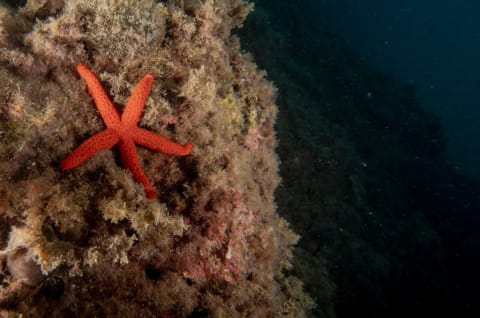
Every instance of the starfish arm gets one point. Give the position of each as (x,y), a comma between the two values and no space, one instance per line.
(136,102)
(102,101)
(103,140)
(130,160)
(157,142)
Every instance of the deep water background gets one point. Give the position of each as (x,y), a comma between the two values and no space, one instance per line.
(377,152)
(434,45)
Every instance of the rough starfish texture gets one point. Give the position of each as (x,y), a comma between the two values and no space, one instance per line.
(122,130)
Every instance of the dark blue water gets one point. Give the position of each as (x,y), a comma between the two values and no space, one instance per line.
(435,45)
(378,124)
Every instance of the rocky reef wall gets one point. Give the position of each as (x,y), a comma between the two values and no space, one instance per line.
(87,242)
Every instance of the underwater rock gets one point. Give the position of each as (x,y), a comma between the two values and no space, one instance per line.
(23,268)
(211,243)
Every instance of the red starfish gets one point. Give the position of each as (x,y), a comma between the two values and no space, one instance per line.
(122,130)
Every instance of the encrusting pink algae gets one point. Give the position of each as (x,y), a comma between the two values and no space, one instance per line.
(88,242)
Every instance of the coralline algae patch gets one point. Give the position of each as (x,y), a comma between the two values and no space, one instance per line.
(87,241)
